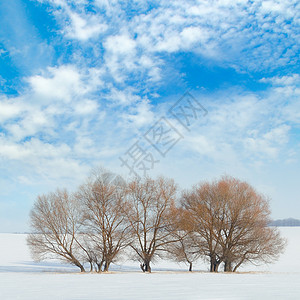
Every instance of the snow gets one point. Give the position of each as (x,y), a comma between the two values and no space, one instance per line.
(21,278)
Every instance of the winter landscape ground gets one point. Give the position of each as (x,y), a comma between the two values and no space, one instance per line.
(21,278)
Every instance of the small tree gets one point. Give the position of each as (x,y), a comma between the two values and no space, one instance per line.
(148,211)
(55,222)
(184,248)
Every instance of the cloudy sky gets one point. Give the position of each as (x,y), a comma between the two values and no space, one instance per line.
(85,83)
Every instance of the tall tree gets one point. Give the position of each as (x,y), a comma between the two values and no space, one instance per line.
(246,236)
(148,209)
(107,229)
(231,220)
(205,221)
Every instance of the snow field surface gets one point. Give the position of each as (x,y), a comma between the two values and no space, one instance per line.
(22,278)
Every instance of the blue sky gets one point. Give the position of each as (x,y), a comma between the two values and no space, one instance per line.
(82,81)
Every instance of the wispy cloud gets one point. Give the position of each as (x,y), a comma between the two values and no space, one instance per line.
(110,69)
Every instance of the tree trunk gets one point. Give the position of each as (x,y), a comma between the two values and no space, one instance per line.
(106,266)
(82,270)
(214,264)
(145,266)
(214,267)
(228,266)
(211,267)
(191,267)
(76,262)
(79,265)
(99,265)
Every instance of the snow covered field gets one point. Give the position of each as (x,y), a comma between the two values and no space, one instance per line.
(21,278)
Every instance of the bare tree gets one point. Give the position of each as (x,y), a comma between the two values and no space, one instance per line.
(205,221)
(106,227)
(56,223)
(246,236)
(266,248)
(225,221)
(148,210)
(231,220)
(184,248)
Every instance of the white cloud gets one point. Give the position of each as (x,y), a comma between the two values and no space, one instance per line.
(283,80)
(9,109)
(241,34)
(78,24)
(202,144)
(243,129)
(61,124)
(61,84)
(84,28)
(237,32)
(31,150)
(268,144)
(33,123)
(120,44)
(120,56)
(278,134)
(141,114)
(86,107)
(192,35)
(127,96)
(73,116)
(286,91)
(132,47)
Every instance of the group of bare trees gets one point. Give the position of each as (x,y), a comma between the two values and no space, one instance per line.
(225,221)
